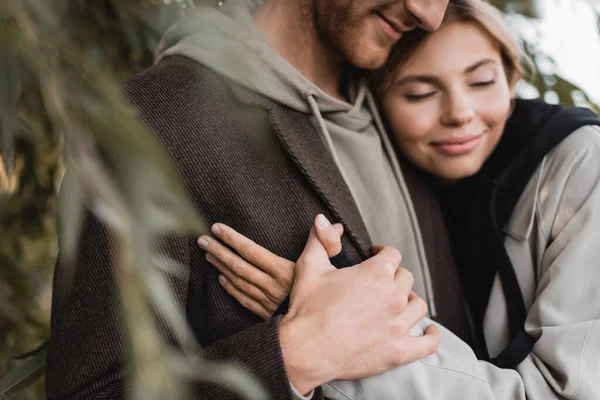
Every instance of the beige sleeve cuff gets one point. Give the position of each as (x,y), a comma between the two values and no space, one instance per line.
(298,396)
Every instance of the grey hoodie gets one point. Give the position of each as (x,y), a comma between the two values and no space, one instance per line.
(227,41)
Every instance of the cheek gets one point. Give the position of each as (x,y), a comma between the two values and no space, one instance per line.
(411,123)
(494,105)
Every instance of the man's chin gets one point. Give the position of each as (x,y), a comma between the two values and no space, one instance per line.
(370,59)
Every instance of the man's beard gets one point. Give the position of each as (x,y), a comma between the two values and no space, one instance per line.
(338,25)
(335,24)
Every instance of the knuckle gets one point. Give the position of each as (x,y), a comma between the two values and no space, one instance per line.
(275,291)
(401,301)
(281,279)
(237,267)
(287,280)
(225,234)
(427,349)
(395,253)
(384,270)
(421,306)
(390,267)
(247,303)
(407,275)
(249,251)
(272,292)
(281,293)
(282,276)
(241,284)
(432,347)
(398,303)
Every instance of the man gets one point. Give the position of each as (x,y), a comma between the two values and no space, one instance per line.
(269,124)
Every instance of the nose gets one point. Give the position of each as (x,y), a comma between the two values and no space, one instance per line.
(429,13)
(459,109)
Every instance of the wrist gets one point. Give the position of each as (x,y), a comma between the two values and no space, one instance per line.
(304,363)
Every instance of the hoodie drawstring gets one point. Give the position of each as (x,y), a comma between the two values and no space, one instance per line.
(389,148)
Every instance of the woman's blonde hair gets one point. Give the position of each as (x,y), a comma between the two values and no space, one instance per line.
(479,12)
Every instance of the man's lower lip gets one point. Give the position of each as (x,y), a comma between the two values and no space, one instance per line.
(455,149)
(389,29)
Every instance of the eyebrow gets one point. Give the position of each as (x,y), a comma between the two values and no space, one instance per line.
(434,80)
(481,63)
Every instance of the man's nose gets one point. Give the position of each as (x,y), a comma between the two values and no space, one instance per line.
(429,13)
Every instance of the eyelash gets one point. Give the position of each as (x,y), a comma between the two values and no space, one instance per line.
(483,84)
(417,97)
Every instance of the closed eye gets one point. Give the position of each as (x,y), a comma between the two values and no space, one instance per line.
(417,97)
(483,84)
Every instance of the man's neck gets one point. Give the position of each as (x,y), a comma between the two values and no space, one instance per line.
(288,27)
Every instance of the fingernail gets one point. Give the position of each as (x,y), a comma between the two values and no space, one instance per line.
(222,280)
(202,242)
(216,229)
(210,258)
(322,222)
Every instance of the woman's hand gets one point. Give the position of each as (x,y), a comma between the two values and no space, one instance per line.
(258,279)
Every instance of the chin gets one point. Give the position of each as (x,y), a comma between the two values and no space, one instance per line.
(455,174)
(368,56)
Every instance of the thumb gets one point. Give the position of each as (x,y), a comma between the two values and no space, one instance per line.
(329,235)
(313,261)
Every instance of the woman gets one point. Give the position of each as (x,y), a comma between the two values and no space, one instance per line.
(519,183)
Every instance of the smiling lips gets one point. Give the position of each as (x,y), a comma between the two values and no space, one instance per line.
(392,28)
(457,146)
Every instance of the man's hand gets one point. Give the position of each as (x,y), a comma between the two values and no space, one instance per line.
(351,323)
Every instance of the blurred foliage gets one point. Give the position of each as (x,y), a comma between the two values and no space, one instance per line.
(62,61)
(542,75)
(62,64)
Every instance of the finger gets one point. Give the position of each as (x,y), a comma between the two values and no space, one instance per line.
(404,280)
(328,235)
(385,257)
(248,249)
(418,347)
(413,313)
(245,300)
(236,264)
(314,260)
(339,228)
(242,285)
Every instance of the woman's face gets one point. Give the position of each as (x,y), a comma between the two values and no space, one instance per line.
(449,103)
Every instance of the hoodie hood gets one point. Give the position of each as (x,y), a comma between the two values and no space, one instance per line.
(227,41)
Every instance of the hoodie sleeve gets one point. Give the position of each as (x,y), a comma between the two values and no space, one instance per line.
(89,344)
(564,315)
